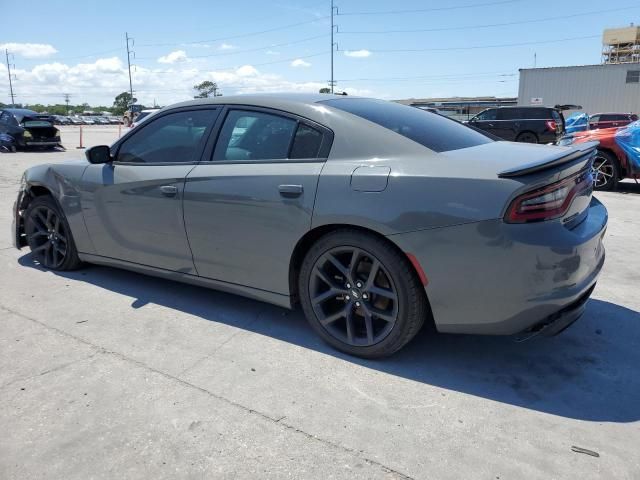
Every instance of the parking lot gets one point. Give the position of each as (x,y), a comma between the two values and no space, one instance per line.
(110,374)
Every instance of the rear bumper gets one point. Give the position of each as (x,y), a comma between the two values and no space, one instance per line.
(503,279)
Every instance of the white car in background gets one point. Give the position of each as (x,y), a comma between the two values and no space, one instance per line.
(142,115)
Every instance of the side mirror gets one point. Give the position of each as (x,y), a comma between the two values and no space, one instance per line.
(99,154)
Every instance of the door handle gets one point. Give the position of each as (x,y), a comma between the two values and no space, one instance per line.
(290,191)
(169,190)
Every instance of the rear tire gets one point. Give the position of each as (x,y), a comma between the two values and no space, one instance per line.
(360,294)
(49,236)
(527,137)
(606,171)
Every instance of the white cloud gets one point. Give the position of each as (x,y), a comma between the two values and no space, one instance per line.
(272,52)
(298,62)
(247,71)
(174,57)
(226,46)
(357,53)
(29,50)
(99,82)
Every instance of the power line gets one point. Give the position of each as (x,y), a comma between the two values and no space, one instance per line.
(479,47)
(436,9)
(436,77)
(241,35)
(236,52)
(491,25)
(283,60)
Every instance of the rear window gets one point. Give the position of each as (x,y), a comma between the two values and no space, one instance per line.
(431,130)
(524,114)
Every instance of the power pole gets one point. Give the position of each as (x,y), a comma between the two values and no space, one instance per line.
(332,82)
(129,52)
(66,99)
(13,100)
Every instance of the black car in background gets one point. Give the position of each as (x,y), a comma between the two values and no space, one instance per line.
(29,128)
(524,124)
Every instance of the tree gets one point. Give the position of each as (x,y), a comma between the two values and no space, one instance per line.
(325,90)
(122,102)
(207,89)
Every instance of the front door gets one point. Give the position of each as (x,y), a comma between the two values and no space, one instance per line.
(246,208)
(133,205)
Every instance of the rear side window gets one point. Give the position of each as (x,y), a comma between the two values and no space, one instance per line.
(524,114)
(306,143)
(430,130)
(249,135)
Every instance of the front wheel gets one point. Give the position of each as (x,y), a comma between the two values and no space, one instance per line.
(605,171)
(49,236)
(360,294)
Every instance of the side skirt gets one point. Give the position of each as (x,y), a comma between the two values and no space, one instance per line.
(253,293)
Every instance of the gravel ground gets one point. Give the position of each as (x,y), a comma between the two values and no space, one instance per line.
(110,374)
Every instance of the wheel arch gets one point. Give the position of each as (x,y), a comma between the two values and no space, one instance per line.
(309,238)
(31,191)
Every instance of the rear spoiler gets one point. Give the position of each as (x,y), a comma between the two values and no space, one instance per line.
(581,150)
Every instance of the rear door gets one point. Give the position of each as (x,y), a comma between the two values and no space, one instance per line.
(247,204)
(508,123)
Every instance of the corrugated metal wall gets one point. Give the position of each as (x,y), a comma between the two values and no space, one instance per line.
(598,88)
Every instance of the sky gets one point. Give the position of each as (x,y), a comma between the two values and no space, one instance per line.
(392,50)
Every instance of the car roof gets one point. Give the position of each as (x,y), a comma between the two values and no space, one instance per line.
(303,104)
(21,111)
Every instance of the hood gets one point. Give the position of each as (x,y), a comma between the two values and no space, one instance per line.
(595,134)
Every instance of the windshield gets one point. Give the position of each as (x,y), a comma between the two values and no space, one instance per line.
(430,130)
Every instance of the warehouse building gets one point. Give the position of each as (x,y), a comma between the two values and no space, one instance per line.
(613,86)
(597,88)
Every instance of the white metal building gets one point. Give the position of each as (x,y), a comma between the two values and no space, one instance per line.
(598,88)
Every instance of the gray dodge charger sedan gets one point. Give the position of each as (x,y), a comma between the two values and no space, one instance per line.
(374,216)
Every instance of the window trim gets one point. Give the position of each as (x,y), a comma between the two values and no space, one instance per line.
(325,145)
(115,148)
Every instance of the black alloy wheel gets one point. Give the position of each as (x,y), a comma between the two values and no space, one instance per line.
(48,235)
(353,296)
(361,294)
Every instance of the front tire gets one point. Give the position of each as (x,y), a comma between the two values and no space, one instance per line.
(606,171)
(360,294)
(49,236)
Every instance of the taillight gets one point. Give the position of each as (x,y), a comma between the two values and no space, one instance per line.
(549,202)
(551,125)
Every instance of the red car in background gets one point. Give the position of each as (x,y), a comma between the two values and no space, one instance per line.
(611,120)
(611,163)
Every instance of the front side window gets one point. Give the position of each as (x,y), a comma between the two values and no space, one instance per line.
(248,135)
(490,114)
(172,138)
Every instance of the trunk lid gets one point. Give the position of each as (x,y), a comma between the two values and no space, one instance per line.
(516,169)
